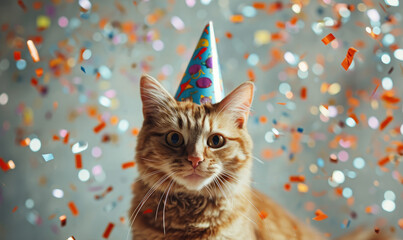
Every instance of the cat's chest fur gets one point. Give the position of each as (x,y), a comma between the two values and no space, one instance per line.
(189,217)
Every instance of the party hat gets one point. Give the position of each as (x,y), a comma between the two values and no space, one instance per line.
(202,82)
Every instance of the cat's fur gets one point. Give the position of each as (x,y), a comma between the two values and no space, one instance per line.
(218,205)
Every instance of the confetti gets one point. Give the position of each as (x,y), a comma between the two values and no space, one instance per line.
(17,55)
(79,162)
(127,165)
(33,51)
(319,215)
(71,238)
(47,157)
(147,211)
(236,18)
(328,39)
(73,208)
(15,209)
(385,122)
(83,69)
(108,230)
(63,220)
(349,58)
(3,165)
(299,178)
(99,127)
(263,214)
(22,5)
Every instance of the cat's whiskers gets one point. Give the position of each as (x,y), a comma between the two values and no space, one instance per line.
(222,191)
(165,203)
(146,197)
(242,195)
(158,206)
(226,187)
(257,159)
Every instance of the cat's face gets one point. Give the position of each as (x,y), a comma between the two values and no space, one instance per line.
(194,146)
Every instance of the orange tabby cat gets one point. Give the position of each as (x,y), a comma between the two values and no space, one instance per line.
(195,172)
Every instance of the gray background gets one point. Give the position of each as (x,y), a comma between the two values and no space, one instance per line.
(35,179)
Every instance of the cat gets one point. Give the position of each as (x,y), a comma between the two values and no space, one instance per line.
(194,164)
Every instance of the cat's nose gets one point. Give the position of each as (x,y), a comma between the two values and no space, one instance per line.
(195,160)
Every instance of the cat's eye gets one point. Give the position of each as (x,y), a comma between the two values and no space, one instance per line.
(215,141)
(174,139)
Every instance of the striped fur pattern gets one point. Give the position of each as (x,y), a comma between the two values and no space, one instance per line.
(218,205)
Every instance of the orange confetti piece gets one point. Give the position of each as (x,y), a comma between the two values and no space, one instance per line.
(228,35)
(353,116)
(15,209)
(390,99)
(99,127)
(79,162)
(287,187)
(39,72)
(385,122)
(127,165)
(73,208)
(108,230)
(251,75)
(349,58)
(328,39)
(383,161)
(263,214)
(293,20)
(373,93)
(319,215)
(303,93)
(66,138)
(33,51)
(148,211)
(280,25)
(259,5)
(37,5)
(281,103)
(236,18)
(400,223)
(4,165)
(135,131)
(263,119)
(299,178)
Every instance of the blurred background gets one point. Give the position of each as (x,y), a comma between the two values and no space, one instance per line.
(325,137)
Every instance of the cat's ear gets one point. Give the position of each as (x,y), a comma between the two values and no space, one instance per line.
(238,103)
(153,95)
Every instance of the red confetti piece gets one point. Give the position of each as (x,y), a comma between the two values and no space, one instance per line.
(79,162)
(34,82)
(108,230)
(328,39)
(17,55)
(319,215)
(73,208)
(99,127)
(108,190)
(127,165)
(373,92)
(299,178)
(287,187)
(33,51)
(353,116)
(236,18)
(22,5)
(15,209)
(4,165)
(148,211)
(390,99)
(263,214)
(294,20)
(303,93)
(349,58)
(385,122)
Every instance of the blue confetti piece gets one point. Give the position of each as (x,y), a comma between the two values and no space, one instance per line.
(47,157)
(348,223)
(300,130)
(83,69)
(320,162)
(274,121)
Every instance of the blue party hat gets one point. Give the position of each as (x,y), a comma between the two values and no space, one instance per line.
(202,82)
